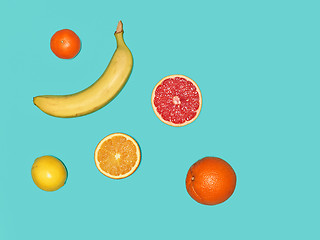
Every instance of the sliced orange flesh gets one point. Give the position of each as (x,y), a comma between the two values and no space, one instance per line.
(117,156)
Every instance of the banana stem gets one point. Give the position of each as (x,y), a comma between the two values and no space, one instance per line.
(119,27)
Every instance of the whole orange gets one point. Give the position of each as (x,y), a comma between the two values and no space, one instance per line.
(65,44)
(211,181)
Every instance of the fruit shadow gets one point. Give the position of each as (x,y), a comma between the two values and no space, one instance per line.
(140,155)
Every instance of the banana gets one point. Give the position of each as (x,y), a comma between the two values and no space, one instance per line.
(100,93)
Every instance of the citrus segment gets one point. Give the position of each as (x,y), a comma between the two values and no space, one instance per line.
(176,100)
(117,155)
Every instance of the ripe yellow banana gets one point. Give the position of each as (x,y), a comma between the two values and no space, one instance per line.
(99,93)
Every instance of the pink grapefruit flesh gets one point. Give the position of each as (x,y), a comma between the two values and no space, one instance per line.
(176,100)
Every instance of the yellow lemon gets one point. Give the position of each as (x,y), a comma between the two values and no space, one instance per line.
(48,173)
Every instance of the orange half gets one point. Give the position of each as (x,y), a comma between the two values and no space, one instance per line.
(117,155)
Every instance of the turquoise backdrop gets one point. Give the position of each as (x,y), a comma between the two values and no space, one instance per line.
(257,65)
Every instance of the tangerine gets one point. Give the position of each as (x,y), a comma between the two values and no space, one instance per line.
(210,181)
(65,44)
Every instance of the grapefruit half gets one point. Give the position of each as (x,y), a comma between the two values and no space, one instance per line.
(176,100)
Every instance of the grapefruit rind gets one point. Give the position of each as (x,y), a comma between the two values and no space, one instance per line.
(134,168)
(155,108)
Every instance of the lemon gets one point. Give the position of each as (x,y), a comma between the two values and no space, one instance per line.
(48,173)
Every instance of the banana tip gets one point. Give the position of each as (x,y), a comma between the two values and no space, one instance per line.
(119,27)
(35,101)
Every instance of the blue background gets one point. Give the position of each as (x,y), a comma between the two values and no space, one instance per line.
(257,65)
